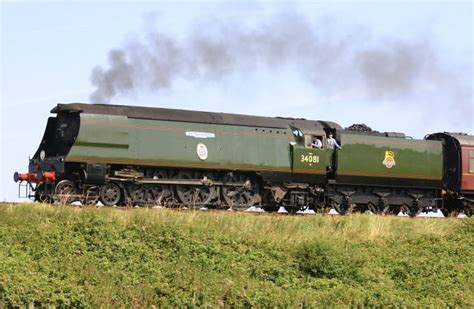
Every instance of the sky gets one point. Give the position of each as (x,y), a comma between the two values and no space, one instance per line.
(398,66)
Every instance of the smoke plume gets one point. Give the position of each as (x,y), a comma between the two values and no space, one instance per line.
(354,63)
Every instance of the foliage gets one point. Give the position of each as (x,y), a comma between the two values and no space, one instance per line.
(83,257)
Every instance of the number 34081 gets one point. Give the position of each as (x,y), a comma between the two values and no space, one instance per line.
(309,159)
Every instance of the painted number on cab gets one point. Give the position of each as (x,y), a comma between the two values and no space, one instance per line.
(309,158)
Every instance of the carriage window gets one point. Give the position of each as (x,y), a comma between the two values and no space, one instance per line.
(471,161)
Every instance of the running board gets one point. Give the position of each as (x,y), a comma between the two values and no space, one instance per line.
(189,182)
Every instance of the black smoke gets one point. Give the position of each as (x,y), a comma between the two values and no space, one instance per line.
(351,62)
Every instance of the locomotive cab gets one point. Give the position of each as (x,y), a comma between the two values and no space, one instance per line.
(310,154)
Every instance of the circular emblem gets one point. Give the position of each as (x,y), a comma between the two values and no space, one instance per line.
(201,150)
(389,159)
(389,162)
(42,155)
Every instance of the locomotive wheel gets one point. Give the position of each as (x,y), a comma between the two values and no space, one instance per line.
(239,198)
(194,195)
(161,193)
(143,196)
(372,208)
(409,210)
(166,196)
(110,194)
(65,192)
(338,208)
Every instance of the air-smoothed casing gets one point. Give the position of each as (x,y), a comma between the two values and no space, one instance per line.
(140,136)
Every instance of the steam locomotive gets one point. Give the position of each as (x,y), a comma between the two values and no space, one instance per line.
(142,156)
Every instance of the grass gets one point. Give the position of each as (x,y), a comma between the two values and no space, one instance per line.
(66,256)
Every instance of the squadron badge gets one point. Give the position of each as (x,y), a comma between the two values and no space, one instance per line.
(389,160)
(201,150)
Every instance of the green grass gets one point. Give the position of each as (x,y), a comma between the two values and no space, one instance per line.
(65,256)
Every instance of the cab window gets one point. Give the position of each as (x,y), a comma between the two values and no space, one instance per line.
(313,141)
(298,135)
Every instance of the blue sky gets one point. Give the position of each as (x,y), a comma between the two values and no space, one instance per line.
(48,51)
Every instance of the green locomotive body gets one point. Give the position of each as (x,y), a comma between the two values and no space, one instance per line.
(124,155)
(382,171)
(389,161)
(161,143)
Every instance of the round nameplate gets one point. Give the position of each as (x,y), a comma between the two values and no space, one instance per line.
(201,150)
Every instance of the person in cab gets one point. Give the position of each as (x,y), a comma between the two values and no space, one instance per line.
(316,143)
(332,143)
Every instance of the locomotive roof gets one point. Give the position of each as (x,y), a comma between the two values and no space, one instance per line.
(194,116)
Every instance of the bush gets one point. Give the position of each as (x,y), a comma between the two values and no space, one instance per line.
(66,256)
(322,260)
